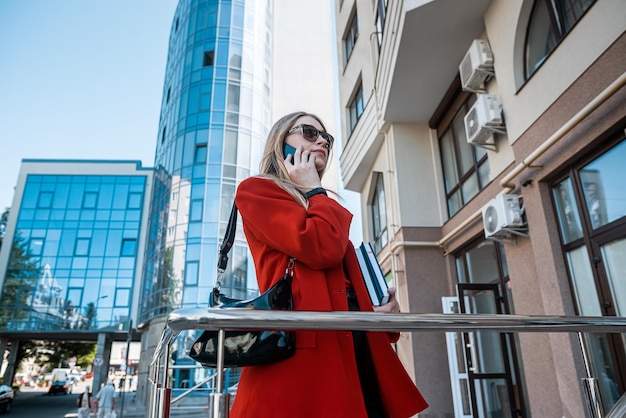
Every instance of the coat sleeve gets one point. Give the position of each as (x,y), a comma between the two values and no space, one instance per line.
(316,237)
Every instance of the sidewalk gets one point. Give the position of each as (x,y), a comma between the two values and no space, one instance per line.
(132,408)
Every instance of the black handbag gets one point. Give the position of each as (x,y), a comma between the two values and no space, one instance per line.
(247,348)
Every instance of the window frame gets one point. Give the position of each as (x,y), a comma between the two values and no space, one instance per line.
(462,103)
(378,212)
(591,241)
(350,37)
(124,249)
(380,19)
(353,113)
(558,28)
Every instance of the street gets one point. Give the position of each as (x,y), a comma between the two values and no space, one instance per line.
(36,403)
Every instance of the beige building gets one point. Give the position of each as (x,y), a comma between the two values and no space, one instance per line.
(486,139)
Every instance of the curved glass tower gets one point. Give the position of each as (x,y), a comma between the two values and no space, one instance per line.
(213,124)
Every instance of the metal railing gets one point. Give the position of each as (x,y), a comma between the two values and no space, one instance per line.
(232,319)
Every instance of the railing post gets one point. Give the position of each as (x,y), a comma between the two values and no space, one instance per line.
(219,402)
(154,376)
(164,398)
(591,389)
(593,402)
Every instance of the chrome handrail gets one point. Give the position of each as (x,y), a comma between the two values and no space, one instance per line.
(220,320)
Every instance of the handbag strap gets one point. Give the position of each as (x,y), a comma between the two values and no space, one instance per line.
(227,245)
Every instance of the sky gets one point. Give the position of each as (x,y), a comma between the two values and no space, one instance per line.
(80,80)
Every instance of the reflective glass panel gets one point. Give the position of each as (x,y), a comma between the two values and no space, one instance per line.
(605,195)
(566,211)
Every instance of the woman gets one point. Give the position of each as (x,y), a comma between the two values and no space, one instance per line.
(84,403)
(286,213)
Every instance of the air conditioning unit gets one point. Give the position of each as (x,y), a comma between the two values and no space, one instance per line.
(502,213)
(477,66)
(483,119)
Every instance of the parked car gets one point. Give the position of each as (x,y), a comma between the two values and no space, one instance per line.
(6,398)
(60,386)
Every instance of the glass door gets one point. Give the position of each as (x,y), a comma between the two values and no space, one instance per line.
(493,387)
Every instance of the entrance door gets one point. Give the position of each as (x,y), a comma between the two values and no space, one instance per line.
(492,381)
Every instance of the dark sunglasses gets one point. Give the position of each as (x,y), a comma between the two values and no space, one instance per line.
(311,133)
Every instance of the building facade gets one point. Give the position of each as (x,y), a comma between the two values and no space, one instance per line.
(484,138)
(72,253)
(215,115)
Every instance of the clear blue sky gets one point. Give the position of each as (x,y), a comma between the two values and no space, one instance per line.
(80,79)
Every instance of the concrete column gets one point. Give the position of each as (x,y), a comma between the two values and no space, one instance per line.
(10,370)
(3,346)
(103,354)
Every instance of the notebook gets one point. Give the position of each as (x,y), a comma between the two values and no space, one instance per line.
(372,274)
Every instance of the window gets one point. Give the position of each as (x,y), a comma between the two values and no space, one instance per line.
(381,14)
(163,134)
(549,22)
(378,213)
(82,246)
(45,200)
(129,247)
(89,200)
(208,59)
(195,212)
(200,155)
(134,200)
(122,297)
(465,167)
(590,206)
(191,273)
(355,108)
(349,40)
(36,246)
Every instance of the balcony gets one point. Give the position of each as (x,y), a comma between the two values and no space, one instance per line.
(431,37)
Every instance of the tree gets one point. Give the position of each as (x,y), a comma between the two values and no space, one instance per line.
(170,283)
(89,321)
(21,277)
(3,224)
(51,354)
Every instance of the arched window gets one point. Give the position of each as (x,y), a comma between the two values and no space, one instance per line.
(549,22)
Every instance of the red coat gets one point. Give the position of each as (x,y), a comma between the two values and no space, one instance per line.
(321,380)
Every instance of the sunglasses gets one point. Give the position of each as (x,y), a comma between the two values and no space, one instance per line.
(311,133)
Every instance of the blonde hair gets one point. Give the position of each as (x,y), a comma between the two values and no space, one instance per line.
(272,163)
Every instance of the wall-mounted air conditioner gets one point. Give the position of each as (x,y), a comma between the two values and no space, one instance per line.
(483,119)
(477,66)
(502,215)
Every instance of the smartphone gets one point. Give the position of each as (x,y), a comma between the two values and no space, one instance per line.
(288,150)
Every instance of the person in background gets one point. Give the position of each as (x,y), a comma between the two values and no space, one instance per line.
(286,213)
(84,403)
(106,400)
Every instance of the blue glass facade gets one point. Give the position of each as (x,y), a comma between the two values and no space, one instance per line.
(213,123)
(74,247)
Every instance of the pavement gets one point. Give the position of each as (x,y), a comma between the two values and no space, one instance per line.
(132,408)
(127,406)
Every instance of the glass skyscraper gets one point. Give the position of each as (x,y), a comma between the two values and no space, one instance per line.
(74,246)
(213,124)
